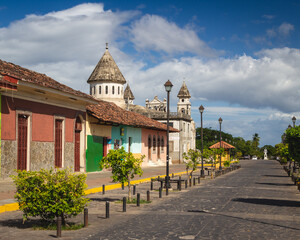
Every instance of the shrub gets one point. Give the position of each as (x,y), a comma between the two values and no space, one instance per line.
(124,166)
(226,163)
(50,193)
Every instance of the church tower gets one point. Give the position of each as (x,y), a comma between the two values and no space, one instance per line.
(184,104)
(107,81)
(128,95)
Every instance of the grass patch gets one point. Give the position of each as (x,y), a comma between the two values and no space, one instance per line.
(53,226)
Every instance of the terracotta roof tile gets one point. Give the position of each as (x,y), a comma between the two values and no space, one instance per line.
(223,145)
(108,112)
(26,75)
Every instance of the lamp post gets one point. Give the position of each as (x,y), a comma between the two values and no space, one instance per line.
(201,110)
(220,121)
(168,86)
(294,121)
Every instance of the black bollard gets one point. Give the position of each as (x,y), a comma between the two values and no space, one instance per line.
(138,199)
(134,188)
(186,185)
(86,217)
(58,228)
(103,189)
(151,185)
(161,184)
(124,204)
(148,196)
(160,192)
(198,179)
(194,181)
(190,182)
(107,209)
(172,175)
(122,186)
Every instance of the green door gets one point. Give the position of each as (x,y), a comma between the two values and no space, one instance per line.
(94,153)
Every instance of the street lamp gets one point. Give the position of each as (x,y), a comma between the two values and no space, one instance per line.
(168,86)
(220,121)
(201,110)
(294,121)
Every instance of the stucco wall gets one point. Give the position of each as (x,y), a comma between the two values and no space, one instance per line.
(41,155)
(8,158)
(96,129)
(154,159)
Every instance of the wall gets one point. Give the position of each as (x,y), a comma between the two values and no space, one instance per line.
(154,160)
(41,134)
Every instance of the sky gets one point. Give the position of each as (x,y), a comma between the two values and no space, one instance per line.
(239,59)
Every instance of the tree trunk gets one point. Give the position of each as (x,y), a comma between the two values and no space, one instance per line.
(129,190)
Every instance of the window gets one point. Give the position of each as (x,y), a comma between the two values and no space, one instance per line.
(118,90)
(129,144)
(182,100)
(94,90)
(162,144)
(106,89)
(113,89)
(149,148)
(154,143)
(158,147)
(99,89)
(183,129)
(91,90)
(182,110)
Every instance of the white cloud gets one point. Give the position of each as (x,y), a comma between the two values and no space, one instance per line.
(285,29)
(153,32)
(75,33)
(271,80)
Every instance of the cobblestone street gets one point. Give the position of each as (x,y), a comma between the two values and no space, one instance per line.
(257,201)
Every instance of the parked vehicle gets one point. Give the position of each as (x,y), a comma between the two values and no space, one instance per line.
(254,157)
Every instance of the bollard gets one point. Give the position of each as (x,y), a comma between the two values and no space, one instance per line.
(190,182)
(161,184)
(124,204)
(138,199)
(148,196)
(208,172)
(172,175)
(103,189)
(86,217)
(107,209)
(160,192)
(122,186)
(194,181)
(134,188)
(151,185)
(58,229)
(186,185)
(198,179)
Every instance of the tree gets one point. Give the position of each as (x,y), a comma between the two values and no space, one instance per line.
(282,150)
(293,141)
(124,166)
(50,193)
(192,160)
(216,152)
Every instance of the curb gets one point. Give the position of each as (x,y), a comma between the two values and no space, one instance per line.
(15,206)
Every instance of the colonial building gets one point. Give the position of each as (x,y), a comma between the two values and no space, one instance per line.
(106,83)
(184,140)
(111,127)
(42,122)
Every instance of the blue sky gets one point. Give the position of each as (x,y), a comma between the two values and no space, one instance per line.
(240,59)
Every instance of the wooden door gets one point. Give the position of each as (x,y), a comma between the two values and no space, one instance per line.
(77,151)
(22,141)
(78,128)
(149,148)
(58,143)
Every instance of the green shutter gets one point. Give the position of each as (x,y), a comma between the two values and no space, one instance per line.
(94,153)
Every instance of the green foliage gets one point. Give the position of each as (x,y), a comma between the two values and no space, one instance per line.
(192,160)
(293,141)
(50,193)
(124,166)
(226,163)
(282,150)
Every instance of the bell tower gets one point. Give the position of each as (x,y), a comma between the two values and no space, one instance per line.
(184,104)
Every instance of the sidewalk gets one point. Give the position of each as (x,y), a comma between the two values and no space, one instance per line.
(94,181)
